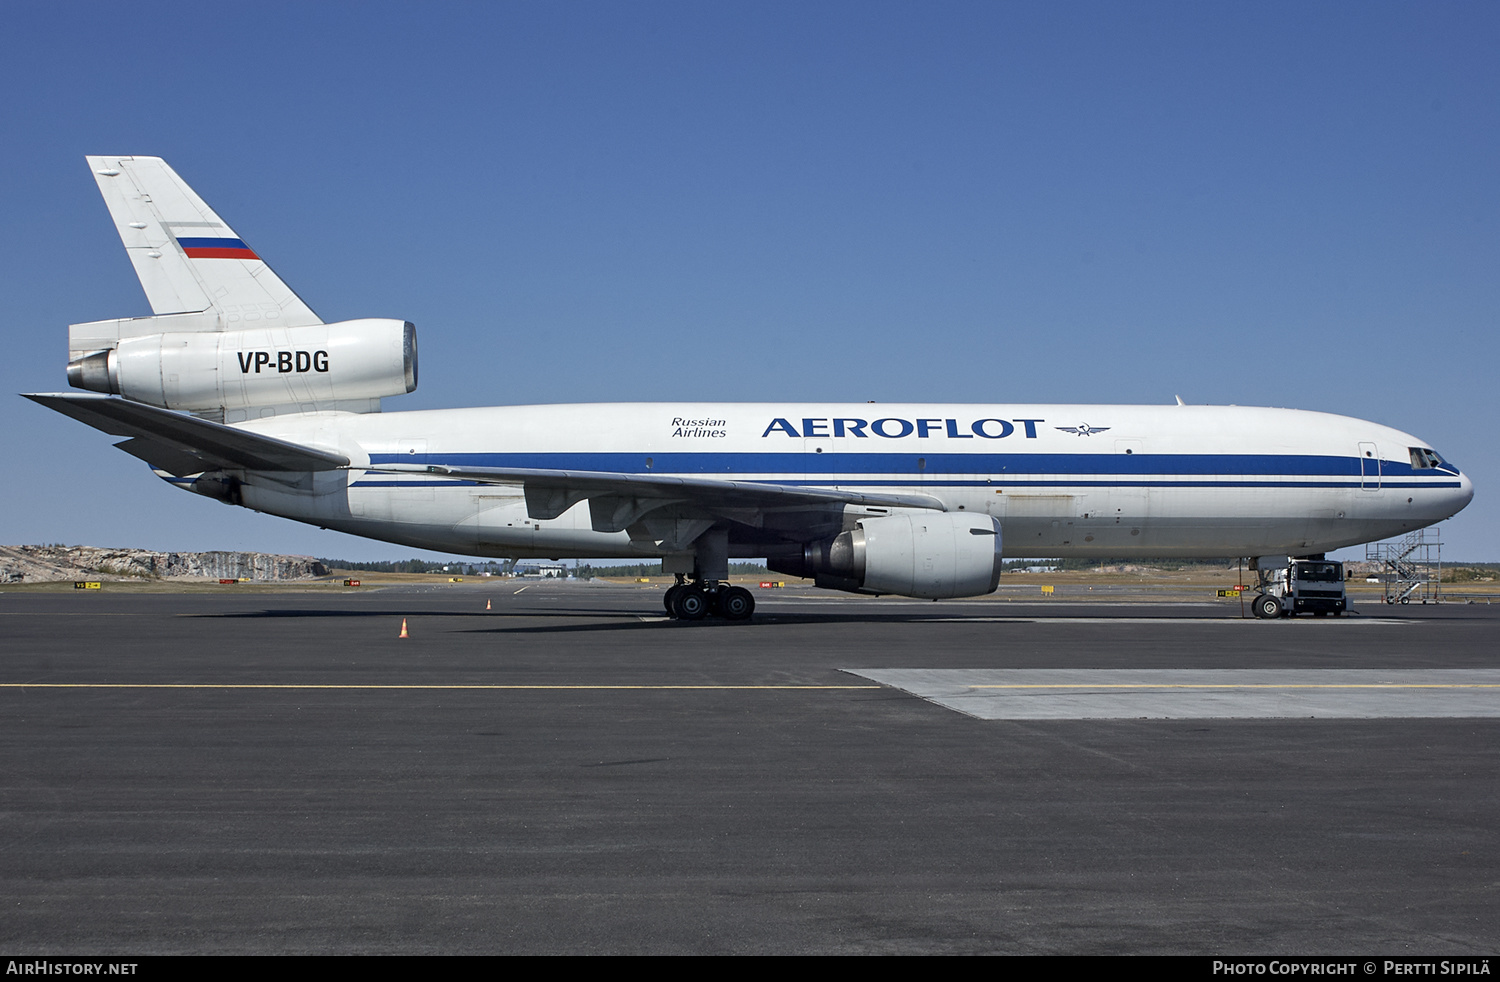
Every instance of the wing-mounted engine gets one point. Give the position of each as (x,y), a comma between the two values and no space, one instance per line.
(242,374)
(933,555)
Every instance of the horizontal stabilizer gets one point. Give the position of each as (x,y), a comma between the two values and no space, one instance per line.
(163,456)
(188,444)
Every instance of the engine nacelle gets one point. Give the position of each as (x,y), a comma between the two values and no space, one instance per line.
(933,555)
(310,367)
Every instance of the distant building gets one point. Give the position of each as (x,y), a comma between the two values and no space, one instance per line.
(544,571)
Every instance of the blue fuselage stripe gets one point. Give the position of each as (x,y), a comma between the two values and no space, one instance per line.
(846,468)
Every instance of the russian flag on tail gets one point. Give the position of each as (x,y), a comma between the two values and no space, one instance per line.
(197,248)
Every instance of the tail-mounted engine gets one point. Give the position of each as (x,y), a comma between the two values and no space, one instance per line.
(933,555)
(348,365)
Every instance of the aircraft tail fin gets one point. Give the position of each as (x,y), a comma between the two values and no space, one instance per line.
(188,259)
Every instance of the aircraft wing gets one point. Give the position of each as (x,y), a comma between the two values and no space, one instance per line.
(618,499)
(181,444)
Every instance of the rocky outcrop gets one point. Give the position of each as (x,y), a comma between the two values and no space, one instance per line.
(43,564)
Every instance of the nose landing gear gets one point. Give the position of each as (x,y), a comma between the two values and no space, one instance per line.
(696,600)
(1267,607)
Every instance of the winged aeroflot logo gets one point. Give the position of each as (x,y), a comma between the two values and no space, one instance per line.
(1083,429)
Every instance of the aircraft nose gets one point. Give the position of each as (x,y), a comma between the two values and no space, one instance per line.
(1461,496)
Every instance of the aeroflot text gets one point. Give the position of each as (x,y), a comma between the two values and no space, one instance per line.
(894,428)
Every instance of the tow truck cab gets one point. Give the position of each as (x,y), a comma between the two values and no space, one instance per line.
(1299,586)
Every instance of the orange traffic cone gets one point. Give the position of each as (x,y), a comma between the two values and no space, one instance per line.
(487,605)
(403,628)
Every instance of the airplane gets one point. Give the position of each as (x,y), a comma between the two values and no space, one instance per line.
(234,389)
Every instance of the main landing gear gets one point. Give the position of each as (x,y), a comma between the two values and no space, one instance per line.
(695,601)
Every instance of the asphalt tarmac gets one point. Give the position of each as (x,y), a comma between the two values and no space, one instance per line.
(569,772)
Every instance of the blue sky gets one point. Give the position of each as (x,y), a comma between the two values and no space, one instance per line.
(1262,204)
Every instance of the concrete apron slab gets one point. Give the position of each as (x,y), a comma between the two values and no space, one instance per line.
(1201,694)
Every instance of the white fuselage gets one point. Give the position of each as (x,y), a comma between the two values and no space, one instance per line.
(1063,480)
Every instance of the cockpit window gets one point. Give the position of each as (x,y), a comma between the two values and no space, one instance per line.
(1423,459)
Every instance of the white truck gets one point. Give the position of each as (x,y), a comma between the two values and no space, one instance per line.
(1290,586)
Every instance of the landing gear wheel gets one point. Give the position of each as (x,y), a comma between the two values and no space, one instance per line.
(690,604)
(666,599)
(1267,607)
(736,604)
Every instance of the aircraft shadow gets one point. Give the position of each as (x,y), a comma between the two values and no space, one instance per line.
(409,612)
(618,622)
(636,619)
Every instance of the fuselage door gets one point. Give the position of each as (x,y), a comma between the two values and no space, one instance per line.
(1369,467)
